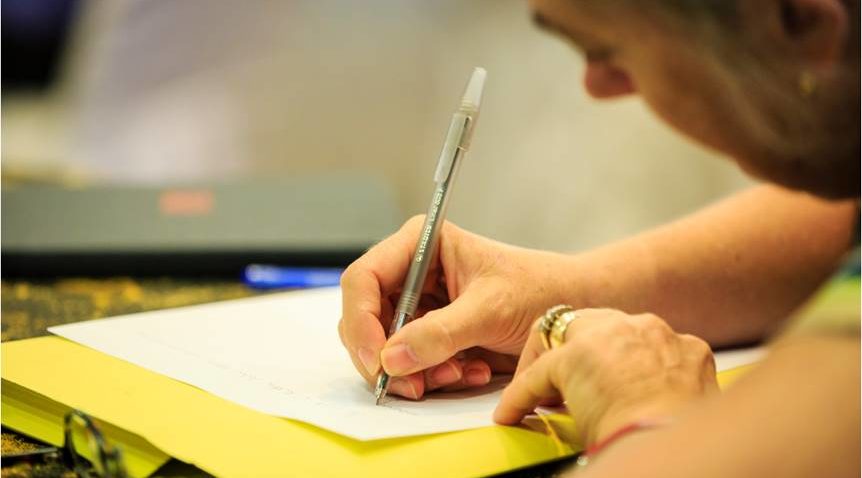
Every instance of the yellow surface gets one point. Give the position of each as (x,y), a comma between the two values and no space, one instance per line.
(727,377)
(151,416)
(42,417)
(226,439)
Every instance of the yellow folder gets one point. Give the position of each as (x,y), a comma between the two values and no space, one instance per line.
(151,417)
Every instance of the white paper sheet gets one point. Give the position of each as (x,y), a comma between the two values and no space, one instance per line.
(278,354)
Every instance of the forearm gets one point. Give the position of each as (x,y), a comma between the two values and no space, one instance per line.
(795,415)
(728,273)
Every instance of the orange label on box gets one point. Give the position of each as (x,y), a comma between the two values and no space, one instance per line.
(186,202)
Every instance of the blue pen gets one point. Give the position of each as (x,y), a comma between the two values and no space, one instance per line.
(261,276)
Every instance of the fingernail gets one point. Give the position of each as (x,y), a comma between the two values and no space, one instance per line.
(477,377)
(403,387)
(399,359)
(368,359)
(445,374)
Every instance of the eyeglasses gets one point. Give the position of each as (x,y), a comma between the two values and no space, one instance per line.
(85,450)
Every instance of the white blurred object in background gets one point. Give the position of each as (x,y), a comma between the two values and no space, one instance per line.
(215,89)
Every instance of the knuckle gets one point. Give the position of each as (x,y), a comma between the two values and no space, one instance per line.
(351,272)
(696,345)
(578,345)
(653,322)
(528,376)
(447,340)
(618,326)
(594,313)
(606,320)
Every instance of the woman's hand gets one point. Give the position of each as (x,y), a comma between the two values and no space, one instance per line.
(612,369)
(474,316)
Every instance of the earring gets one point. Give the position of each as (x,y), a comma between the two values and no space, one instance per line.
(807,84)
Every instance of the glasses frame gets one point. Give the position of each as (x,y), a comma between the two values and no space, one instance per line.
(108,460)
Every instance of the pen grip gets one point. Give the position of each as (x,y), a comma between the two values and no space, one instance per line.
(408,302)
(429,236)
(400,319)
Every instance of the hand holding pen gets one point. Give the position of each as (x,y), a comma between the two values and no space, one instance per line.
(474,308)
(454,148)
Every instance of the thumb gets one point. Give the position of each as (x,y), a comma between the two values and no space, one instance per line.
(435,337)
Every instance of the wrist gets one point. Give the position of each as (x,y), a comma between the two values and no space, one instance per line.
(560,278)
(577,280)
(590,452)
(658,411)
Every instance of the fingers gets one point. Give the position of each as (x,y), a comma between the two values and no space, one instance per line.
(699,352)
(611,365)
(410,386)
(477,373)
(426,354)
(368,364)
(365,286)
(528,389)
(497,362)
(447,373)
(532,384)
(585,319)
(435,337)
(455,374)
(451,375)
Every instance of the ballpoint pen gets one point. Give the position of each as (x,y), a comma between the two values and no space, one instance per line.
(456,145)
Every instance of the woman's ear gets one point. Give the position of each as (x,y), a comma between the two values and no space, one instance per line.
(814,31)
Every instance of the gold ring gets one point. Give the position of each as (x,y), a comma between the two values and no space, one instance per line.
(552,326)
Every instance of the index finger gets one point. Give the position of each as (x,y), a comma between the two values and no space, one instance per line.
(364,286)
(528,390)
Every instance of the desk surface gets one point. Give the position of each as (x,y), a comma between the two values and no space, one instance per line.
(30,307)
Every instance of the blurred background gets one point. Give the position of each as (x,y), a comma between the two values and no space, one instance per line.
(170,92)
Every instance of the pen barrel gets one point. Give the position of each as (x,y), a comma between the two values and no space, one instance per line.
(457,141)
(426,248)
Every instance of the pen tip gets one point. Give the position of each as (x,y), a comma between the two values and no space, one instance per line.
(380,388)
(378,395)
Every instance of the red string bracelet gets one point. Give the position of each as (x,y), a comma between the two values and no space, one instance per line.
(595,448)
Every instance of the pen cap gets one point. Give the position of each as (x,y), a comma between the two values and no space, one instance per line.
(461,127)
(473,95)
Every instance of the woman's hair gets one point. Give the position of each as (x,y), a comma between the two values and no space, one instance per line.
(810,127)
